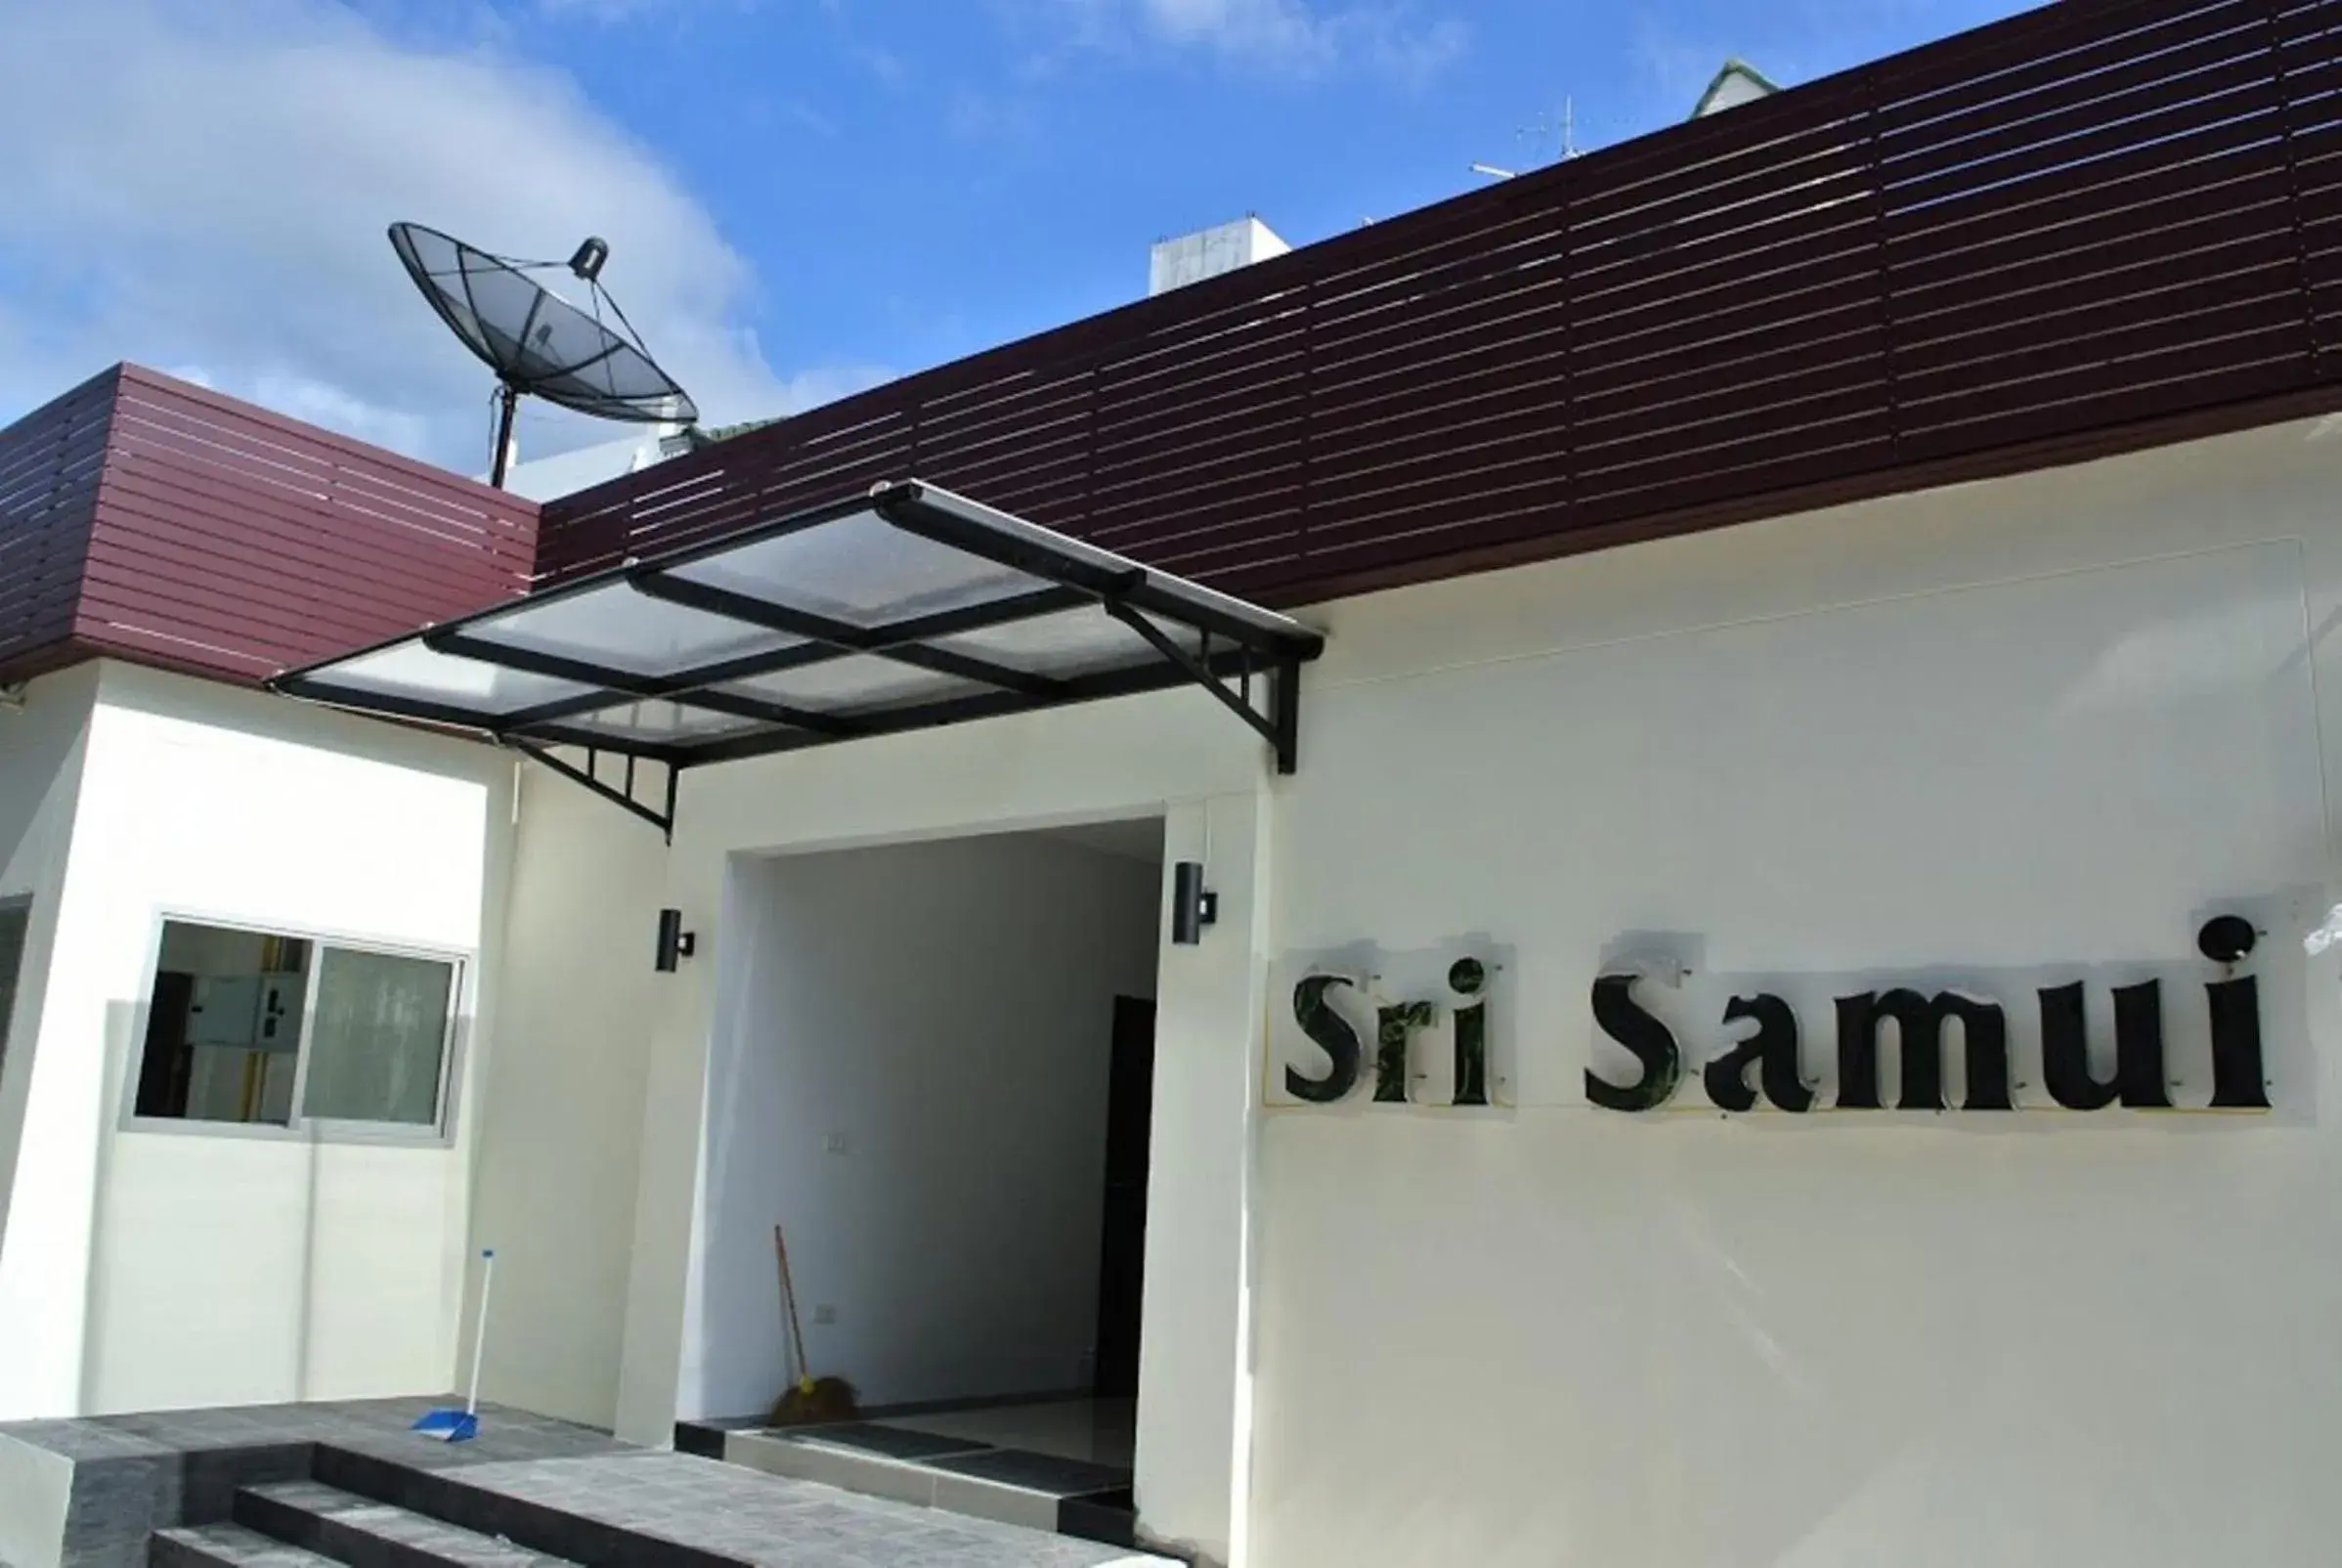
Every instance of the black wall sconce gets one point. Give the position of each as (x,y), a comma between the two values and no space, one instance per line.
(1193,906)
(2226,938)
(674,942)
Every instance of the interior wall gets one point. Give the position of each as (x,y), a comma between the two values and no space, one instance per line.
(1987,738)
(909,1072)
(181,1265)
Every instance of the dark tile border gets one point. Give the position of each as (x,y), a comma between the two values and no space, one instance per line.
(974,1402)
(902,1443)
(702,1438)
(1107,1517)
(1050,1474)
(1111,1519)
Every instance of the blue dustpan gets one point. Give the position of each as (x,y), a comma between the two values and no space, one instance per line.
(447,1423)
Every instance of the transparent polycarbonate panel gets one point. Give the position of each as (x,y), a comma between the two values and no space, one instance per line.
(1071,642)
(412,671)
(1017,529)
(859,569)
(618,627)
(856,684)
(660,722)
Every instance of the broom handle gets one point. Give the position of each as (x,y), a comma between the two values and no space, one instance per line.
(797,1334)
(471,1401)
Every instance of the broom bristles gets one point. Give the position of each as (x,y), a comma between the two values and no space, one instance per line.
(815,1402)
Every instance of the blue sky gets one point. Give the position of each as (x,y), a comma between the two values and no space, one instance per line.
(918,179)
(803,195)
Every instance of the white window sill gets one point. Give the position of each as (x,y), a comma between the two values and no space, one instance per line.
(376,1134)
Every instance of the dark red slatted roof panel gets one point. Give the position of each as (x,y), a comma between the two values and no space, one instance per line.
(146,519)
(50,462)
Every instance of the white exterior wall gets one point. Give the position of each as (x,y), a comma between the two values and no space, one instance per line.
(945,1013)
(201,1265)
(2009,733)
(561,1102)
(2033,728)
(41,745)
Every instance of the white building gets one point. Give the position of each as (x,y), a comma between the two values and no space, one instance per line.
(1709,672)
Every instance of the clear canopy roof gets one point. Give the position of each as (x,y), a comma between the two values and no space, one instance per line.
(903,609)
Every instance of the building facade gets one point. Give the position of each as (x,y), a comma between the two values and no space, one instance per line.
(1768,1019)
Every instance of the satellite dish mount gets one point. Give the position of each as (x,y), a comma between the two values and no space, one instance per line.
(537,342)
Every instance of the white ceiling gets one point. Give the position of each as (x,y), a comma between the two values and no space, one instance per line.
(1133,839)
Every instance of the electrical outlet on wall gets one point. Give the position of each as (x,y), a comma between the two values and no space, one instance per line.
(825,1314)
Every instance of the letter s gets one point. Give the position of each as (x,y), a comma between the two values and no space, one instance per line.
(1623,1019)
(1333,1033)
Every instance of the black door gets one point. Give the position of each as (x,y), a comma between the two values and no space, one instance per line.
(1122,1262)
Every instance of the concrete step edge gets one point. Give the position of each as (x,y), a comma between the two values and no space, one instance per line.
(362,1532)
(226,1545)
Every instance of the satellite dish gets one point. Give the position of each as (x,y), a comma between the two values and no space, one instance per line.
(536,342)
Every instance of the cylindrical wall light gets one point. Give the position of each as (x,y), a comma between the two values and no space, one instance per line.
(1192,905)
(674,942)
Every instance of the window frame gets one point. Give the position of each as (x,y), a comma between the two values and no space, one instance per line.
(439,1133)
(12,902)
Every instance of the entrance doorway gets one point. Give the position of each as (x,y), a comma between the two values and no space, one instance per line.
(1122,1239)
(934,1068)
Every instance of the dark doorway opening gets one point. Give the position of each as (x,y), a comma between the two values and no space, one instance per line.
(1123,1252)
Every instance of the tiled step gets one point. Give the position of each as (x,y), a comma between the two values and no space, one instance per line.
(961,1477)
(363,1533)
(224,1546)
(554,1534)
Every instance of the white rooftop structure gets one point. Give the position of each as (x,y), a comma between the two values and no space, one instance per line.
(565,473)
(1736,83)
(1209,252)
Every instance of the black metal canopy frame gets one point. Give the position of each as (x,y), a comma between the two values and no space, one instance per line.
(903,609)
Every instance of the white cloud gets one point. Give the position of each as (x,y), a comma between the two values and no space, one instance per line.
(200,186)
(1296,37)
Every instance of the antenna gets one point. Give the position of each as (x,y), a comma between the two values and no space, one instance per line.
(536,342)
(1536,134)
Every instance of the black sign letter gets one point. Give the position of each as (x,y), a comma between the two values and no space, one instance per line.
(1322,1024)
(1774,1044)
(2236,1080)
(1623,1019)
(2138,1048)
(1920,1019)
(1394,1029)
(1468,978)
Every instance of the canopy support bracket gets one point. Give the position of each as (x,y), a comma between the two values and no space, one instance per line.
(1279,727)
(662,818)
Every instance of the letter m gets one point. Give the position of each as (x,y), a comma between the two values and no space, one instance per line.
(1920,1021)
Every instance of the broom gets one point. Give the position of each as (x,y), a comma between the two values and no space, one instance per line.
(811,1399)
(449,1424)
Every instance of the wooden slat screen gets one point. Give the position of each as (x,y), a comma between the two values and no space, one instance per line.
(2044,239)
(49,465)
(215,536)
